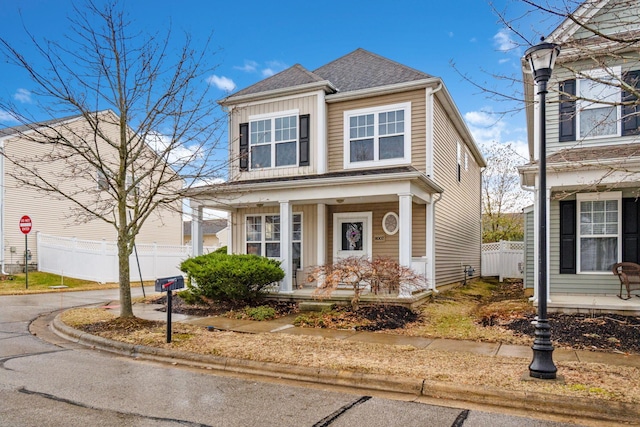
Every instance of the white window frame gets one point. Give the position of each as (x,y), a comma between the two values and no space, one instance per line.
(406,107)
(273,143)
(584,197)
(581,104)
(263,242)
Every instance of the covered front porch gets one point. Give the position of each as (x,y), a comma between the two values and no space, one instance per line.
(313,221)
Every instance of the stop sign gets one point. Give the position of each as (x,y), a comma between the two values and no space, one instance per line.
(25,224)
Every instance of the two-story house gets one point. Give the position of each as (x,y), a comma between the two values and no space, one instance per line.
(360,157)
(593,155)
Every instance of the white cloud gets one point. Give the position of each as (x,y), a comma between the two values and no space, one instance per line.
(22,95)
(177,154)
(488,128)
(222,83)
(273,67)
(6,117)
(248,67)
(504,42)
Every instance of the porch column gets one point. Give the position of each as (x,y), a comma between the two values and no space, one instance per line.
(230,246)
(286,228)
(321,237)
(196,229)
(405,232)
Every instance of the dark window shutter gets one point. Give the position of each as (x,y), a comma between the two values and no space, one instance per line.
(630,230)
(568,237)
(630,119)
(304,140)
(244,146)
(567,111)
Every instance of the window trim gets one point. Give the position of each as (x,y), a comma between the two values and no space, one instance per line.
(263,242)
(272,117)
(583,197)
(582,104)
(406,107)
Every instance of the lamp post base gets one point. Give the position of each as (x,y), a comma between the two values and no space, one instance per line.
(542,365)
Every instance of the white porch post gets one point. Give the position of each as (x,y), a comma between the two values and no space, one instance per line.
(321,237)
(196,229)
(286,228)
(405,232)
(230,246)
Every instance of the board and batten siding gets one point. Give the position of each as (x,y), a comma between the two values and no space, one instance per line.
(529,248)
(335,125)
(458,228)
(307,104)
(588,283)
(53,215)
(309,225)
(386,245)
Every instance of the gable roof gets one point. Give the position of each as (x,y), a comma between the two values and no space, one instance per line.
(209,226)
(4,132)
(362,69)
(357,70)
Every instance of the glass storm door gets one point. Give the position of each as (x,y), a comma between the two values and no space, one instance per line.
(351,235)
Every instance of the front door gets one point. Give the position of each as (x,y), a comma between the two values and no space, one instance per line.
(351,235)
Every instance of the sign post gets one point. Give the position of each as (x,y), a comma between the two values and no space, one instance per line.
(169,284)
(25,227)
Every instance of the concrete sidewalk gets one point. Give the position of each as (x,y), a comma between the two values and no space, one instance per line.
(284,325)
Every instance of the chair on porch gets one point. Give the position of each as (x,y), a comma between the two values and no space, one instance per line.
(629,275)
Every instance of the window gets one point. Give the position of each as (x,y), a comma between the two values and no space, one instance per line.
(599,219)
(263,236)
(101,179)
(274,141)
(597,119)
(380,135)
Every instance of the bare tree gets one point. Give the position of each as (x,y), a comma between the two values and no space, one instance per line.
(502,197)
(141,129)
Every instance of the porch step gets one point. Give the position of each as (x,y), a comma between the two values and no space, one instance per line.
(314,305)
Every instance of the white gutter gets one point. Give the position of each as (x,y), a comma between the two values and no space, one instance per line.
(2,208)
(432,250)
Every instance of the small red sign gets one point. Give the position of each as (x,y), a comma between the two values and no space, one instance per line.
(25,224)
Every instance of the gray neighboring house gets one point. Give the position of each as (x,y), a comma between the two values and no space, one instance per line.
(593,159)
(362,156)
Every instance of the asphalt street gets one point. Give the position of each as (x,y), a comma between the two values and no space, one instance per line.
(47,381)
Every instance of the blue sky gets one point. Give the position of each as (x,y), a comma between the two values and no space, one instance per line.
(258,38)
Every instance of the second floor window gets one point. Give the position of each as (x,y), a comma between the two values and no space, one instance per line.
(598,111)
(273,142)
(378,135)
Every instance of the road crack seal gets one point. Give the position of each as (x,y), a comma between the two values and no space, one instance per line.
(462,417)
(18,356)
(129,414)
(328,420)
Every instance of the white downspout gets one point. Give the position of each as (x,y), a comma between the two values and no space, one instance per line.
(535,241)
(2,210)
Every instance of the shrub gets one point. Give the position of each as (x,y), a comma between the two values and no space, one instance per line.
(234,278)
(262,312)
(221,250)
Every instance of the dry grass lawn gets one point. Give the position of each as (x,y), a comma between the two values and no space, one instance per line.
(616,383)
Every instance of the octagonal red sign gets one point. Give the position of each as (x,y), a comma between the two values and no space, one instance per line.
(25,224)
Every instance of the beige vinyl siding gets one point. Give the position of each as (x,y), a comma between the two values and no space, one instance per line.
(53,215)
(304,105)
(335,126)
(605,283)
(529,254)
(458,231)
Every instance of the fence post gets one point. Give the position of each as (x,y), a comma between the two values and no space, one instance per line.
(501,261)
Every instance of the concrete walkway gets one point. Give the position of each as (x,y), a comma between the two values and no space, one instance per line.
(284,325)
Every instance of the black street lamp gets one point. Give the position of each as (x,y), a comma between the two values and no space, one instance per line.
(541,59)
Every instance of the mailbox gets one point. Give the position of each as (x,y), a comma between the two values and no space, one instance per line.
(169,283)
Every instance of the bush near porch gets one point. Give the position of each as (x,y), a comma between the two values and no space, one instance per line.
(232,278)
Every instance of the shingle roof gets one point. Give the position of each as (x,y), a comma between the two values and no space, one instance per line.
(585,154)
(357,70)
(24,128)
(362,69)
(209,226)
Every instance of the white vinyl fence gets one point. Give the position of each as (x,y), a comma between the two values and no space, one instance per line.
(503,259)
(98,259)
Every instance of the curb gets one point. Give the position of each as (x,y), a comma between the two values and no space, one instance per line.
(550,404)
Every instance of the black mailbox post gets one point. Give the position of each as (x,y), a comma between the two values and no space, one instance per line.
(169,284)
